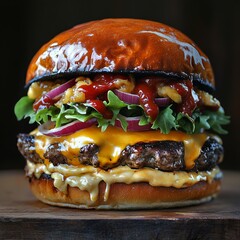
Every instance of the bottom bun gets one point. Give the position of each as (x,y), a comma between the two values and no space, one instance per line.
(125,196)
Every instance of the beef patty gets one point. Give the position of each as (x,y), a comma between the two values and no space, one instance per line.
(162,155)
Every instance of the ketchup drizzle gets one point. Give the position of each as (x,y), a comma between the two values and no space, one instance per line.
(188,104)
(44,102)
(146,99)
(98,89)
(146,89)
(101,84)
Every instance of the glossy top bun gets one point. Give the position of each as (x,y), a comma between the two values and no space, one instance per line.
(121,45)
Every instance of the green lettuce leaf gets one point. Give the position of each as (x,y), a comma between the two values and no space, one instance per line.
(217,120)
(185,123)
(166,120)
(24,108)
(114,102)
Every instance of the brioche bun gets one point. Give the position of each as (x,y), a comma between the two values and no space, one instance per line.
(121,45)
(126,196)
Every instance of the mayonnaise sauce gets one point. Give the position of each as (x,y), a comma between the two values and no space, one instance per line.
(88,178)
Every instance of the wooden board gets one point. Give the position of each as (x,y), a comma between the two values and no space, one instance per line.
(24,217)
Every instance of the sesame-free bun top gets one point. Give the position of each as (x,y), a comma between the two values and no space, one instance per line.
(121,45)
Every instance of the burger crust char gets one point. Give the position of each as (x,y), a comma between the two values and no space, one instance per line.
(162,155)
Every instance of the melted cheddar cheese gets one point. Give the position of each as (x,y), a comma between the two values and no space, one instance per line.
(112,141)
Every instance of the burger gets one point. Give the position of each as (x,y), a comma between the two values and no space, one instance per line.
(124,117)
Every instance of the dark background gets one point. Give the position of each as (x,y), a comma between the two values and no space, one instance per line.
(214,25)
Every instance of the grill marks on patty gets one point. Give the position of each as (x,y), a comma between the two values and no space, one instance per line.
(88,155)
(211,154)
(26,146)
(53,153)
(162,155)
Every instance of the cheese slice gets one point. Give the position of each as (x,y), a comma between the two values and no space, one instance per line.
(112,141)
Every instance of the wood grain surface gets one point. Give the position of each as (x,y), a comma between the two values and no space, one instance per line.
(24,217)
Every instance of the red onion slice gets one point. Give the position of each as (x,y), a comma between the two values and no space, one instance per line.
(127,97)
(131,98)
(58,91)
(162,102)
(133,124)
(66,129)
